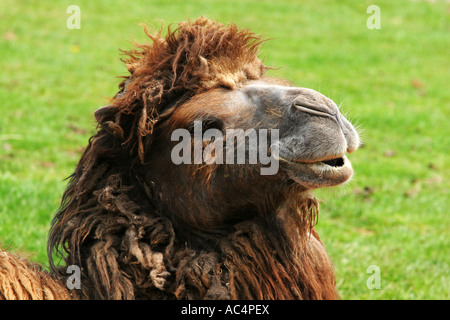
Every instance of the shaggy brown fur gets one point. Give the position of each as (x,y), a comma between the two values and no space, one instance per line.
(123,231)
(22,280)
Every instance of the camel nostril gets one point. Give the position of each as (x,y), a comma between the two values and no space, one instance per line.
(315,108)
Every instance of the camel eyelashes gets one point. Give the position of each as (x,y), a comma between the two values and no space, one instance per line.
(207,123)
(212,123)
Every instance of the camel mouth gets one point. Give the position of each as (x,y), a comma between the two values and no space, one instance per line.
(338,161)
(335,162)
(320,173)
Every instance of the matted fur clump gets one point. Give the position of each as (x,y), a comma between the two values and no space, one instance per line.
(140,227)
(22,280)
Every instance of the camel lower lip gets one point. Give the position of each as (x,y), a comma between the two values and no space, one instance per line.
(327,173)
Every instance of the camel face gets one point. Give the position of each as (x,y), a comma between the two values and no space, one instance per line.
(312,136)
(307,136)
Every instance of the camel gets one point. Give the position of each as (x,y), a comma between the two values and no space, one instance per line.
(140,226)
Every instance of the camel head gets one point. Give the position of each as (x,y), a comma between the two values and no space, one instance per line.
(310,135)
(189,136)
(199,158)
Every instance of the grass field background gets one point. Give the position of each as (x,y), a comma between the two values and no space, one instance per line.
(393,82)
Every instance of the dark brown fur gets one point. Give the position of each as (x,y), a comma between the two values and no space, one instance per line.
(112,222)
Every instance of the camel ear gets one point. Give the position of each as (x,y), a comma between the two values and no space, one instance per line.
(204,67)
(106,113)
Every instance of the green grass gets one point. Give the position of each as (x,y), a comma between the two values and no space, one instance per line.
(393,82)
